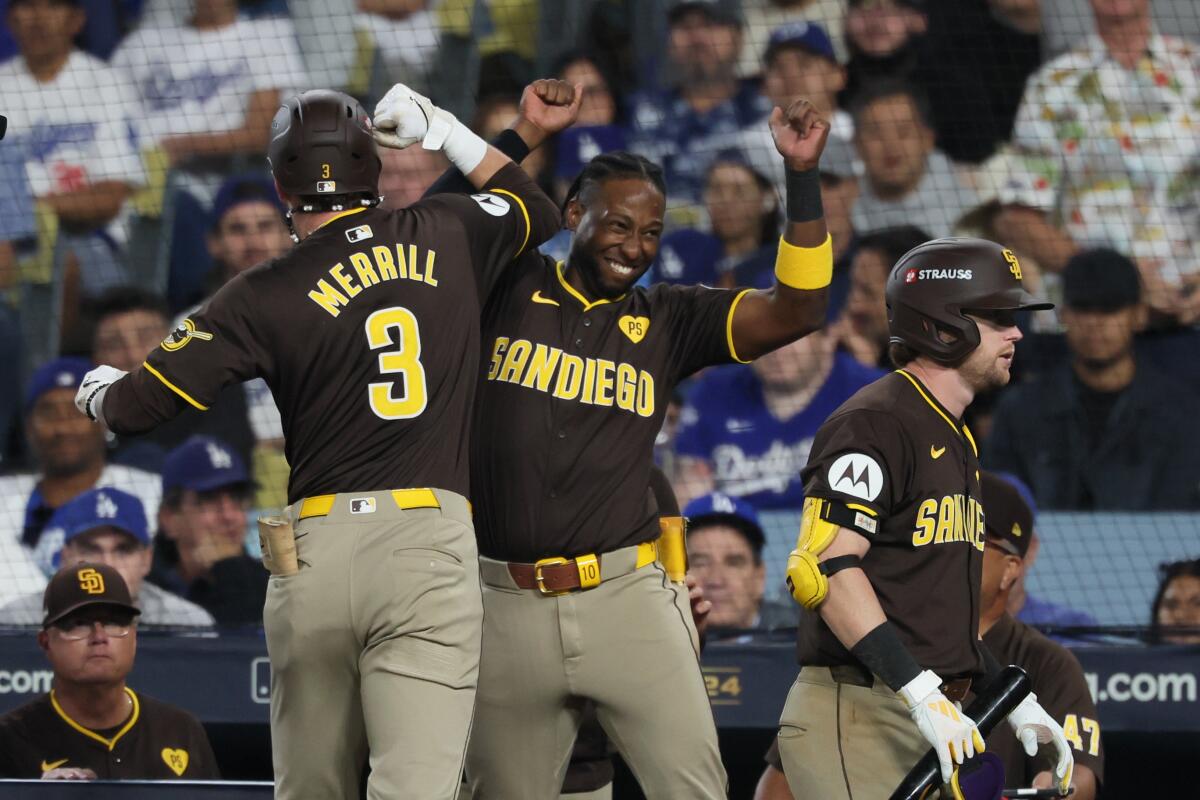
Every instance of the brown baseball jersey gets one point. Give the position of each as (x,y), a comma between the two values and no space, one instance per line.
(572,397)
(367,333)
(1061,689)
(156,742)
(904,473)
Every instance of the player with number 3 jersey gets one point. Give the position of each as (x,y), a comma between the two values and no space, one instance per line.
(367,333)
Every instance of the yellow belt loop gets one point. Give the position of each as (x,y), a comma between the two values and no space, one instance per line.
(647,553)
(415,498)
(317,506)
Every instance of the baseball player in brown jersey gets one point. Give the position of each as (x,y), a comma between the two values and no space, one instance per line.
(367,333)
(891,542)
(579,366)
(1055,673)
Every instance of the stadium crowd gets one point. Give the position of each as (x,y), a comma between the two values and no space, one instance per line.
(135,185)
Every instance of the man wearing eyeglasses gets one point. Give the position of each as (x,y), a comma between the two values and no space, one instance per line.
(91,725)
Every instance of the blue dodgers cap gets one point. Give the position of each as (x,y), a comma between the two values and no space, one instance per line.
(61,373)
(203,464)
(718,508)
(102,508)
(243,189)
(803,35)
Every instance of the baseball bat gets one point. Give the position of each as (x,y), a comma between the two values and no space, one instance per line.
(990,706)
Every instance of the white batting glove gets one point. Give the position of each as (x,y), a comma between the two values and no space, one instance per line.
(90,397)
(953,735)
(404,117)
(1034,726)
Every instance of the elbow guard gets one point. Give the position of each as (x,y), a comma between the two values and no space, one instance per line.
(808,578)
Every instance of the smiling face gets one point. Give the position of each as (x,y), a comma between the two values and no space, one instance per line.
(618,223)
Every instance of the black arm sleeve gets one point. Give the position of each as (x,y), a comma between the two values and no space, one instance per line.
(454,182)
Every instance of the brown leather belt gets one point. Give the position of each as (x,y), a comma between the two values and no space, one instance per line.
(955,689)
(560,575)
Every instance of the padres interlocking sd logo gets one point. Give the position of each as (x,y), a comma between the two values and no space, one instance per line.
(1014,266)
(90,581)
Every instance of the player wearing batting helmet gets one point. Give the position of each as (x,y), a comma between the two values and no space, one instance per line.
(581,366)
(367,333)
(891,544)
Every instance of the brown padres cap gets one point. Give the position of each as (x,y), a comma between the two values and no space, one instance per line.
(81,585)
(1008,518)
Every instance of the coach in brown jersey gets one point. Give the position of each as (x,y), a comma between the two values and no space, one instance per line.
(91,724)
(579,369)
(1054,671)
(368,335)
(890,551)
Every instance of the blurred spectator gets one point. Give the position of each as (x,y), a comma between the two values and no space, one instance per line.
(201,550)
(493,115)
(70,455)
(1055,673)
(71,113)
(219,99)
(1106,431)
(108,526)
(764,17)
(1177,603)
(248,228)
(128,323)
(505,32)
(683,127)
(1109,138)
(885,40)
(11,359)
(862,330)
(907,180)
(747,430)
(800,64)
(597,130)
(407,174)
(91,725)
(983,51)
(406,35)
(743,212)
(725,544)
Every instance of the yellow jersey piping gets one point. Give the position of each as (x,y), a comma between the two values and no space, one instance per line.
(109,743)
(524,213)
(934,406)
(173,387)
(588,305)
(729,326)
(338,216)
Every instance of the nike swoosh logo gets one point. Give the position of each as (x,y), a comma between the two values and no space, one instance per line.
(537,298)
(936,452)
(49,765)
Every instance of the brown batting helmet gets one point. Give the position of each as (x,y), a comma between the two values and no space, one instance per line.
(933,287)
(321,150)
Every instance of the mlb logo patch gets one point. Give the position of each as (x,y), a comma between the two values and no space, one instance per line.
(910,276)
(360,233)
(362,505)
(326,187)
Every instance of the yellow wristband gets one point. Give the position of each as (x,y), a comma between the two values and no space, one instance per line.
(804,268)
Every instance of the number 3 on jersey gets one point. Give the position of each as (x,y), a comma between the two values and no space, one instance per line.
(405,360)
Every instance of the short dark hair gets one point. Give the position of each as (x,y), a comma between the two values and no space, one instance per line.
(122,300)
(901,355)
(893,242)
(1101,279)
(172,498)
(749,531)
(618,164)
(890,87)
(1168,572)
